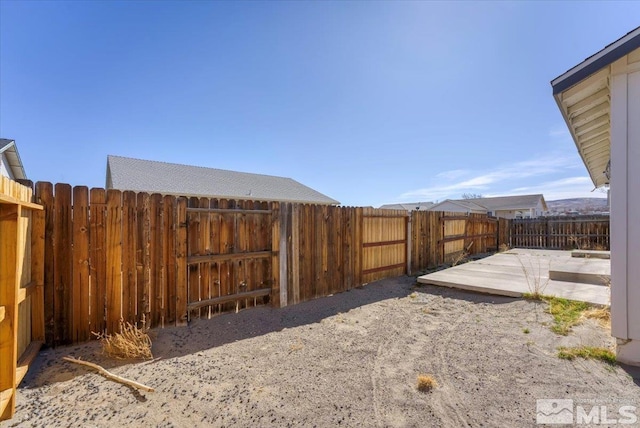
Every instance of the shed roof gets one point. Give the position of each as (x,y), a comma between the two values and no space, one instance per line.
(187,180)
(583,96)
(10,150)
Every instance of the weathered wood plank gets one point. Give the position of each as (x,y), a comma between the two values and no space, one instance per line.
(204,231)
(63,307)
(44,196)
(156,288)
(114,261)
(230,298)
(37,275)
(80,301)
(98,258)
(181,261)
(143,274)
(129,257)
(170,259)
(279,256)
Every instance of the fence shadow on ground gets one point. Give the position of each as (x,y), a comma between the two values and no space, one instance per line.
(230,327)
(202,334)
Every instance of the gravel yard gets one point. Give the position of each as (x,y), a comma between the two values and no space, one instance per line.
(350,359)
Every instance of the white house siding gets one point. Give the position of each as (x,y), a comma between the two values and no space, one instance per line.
(625,206)
(3,167)
(521,213)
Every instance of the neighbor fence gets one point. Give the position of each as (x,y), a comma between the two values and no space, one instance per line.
(112,256)
(559,233)
(21,288)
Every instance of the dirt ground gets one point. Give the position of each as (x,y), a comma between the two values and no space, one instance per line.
(347,360)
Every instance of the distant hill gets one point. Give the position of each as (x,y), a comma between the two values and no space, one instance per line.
(580,205)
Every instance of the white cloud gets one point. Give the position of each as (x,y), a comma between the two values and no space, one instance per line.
(453,174)
(492,181)
(564,188)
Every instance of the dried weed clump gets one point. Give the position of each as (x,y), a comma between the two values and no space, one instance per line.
(131,343)
(426,383)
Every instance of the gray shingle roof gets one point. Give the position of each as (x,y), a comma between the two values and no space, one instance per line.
(187,180)
(509,202)
(465,203)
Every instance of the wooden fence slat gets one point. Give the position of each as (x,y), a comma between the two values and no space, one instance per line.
(98,258)
(129,269)
(170,259)
(143,275)
(114,261)
(38,275)
(181,261)
(63,306)
(44,196)
(156,288)
(278,271)
(204,236)
(80,265)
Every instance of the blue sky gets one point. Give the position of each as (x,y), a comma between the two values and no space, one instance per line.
(367,102)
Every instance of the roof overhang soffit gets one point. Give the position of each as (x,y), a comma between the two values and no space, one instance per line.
(585,107)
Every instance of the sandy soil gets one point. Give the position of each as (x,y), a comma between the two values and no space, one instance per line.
(347,360)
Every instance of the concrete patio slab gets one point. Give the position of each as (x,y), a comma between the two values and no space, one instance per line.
(503,274)
(588,271)
(591,254)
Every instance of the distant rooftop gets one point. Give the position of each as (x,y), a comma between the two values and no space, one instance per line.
(408,206)
(508,202)
(187,180)
(10,150)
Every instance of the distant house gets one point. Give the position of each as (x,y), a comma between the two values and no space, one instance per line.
(520,206)
(10,163)
(408,206)
(459,206)
(599,100)
(186,180)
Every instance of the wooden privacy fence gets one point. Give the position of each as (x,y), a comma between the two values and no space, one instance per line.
(111,255)
(560,233)
(21,291)
(440,237)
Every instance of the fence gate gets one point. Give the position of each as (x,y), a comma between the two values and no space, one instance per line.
(384,243)
(229,255)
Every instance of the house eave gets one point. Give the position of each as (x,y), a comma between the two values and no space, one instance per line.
(611,53)
(14,161)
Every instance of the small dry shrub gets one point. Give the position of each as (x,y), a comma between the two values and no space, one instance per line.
(131,343)
(503,248)
(602,315)
(536,282)
(426,383)
(460,258)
